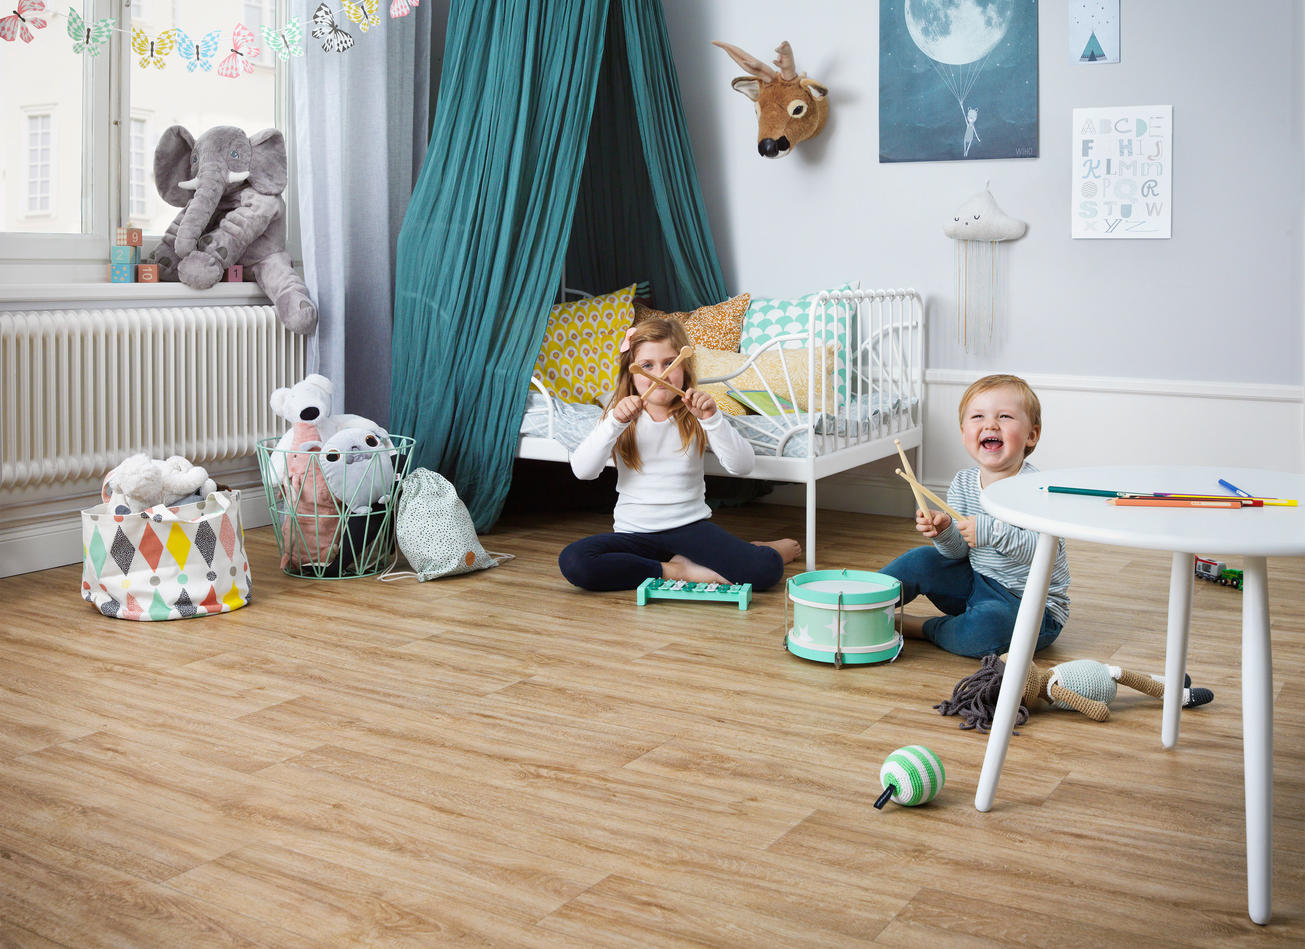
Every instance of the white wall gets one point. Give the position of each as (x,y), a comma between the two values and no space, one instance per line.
(1109,327)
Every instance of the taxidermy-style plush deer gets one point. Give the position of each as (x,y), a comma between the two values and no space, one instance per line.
(790,108)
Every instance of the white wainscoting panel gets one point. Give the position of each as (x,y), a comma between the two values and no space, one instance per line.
(1093,420)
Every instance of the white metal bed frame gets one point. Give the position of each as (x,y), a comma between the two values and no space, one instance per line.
(883,330)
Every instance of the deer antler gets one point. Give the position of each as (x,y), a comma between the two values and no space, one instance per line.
(749,62)
(787,71)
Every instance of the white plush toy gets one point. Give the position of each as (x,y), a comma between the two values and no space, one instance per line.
(357,469)
(307,406)
(140,482)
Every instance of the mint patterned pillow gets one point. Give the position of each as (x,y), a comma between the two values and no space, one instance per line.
(767,319)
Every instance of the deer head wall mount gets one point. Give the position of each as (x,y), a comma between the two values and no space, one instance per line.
(790,108)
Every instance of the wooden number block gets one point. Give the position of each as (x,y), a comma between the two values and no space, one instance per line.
(235,273)
(147,273)
(122,273)
(130,237)
(124,254)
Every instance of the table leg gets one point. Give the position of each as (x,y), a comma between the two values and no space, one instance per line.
(1180,623)
(1027,622)
(1257,738)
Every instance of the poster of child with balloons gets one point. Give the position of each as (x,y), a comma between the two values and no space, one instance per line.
(958,79)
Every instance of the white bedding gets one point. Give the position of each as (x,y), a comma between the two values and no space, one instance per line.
(571,423)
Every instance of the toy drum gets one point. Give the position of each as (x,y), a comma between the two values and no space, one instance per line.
(844,616)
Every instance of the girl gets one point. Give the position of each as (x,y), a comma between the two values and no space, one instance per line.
(657,441)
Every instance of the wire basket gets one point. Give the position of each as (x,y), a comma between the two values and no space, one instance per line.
(333,510)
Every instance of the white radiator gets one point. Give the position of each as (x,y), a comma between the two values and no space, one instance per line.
(82,389)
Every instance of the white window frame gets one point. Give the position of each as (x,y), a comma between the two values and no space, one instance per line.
(46,112)
(138,174)
(46,259)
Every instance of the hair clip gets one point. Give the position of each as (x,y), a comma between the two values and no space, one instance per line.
(625,343)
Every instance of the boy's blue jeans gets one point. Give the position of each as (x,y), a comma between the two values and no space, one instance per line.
(980,611)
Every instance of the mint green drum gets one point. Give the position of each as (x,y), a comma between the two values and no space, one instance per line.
(844,616)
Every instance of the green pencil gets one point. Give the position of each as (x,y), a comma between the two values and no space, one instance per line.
(1091,492)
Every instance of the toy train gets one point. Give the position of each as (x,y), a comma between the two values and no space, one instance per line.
(1216,571)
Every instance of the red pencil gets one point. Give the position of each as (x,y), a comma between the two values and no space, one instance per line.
(1233,503)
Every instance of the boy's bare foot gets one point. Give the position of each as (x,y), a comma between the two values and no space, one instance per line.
(681,567)
(786,547)
(912,626)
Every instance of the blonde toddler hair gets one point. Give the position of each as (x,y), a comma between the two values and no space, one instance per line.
(997,381)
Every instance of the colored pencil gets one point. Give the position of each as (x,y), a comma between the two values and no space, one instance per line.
(1231,504)
(1090,492)
(1234,489)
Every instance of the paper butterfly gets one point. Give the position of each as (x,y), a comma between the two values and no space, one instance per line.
(334,39)
(198,55)
(152,52)
(366,13)
(243,51)
(17,22)
(400,8)
(286,41)
(88,38)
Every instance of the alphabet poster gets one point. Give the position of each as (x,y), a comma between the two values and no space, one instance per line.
(1122,172)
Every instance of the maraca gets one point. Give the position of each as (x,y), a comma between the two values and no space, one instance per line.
(911,775)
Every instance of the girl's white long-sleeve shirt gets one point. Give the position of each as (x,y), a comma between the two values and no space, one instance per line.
(669,490)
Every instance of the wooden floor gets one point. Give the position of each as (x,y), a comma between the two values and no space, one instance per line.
(499,759)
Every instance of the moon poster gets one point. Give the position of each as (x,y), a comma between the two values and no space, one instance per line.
(1122,172)
(1094,31)
(958,80)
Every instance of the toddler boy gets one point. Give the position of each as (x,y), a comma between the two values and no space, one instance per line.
(978,566)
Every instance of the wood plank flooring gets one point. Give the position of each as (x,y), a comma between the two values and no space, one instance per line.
(499,759)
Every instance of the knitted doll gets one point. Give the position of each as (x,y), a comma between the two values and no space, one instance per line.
(1083,685)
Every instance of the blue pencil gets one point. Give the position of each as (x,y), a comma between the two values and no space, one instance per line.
(1234,489)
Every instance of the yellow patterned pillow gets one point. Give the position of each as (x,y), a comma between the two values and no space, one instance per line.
(726,404)
(578,360)
(770,366)
(718,326)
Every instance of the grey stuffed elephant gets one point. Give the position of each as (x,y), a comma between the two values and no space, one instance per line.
(229,186)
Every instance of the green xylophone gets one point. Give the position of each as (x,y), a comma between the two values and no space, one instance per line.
(655,588)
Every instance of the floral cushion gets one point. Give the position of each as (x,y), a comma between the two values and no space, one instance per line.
(718,326)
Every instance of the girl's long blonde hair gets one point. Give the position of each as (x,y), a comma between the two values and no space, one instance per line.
(656,329)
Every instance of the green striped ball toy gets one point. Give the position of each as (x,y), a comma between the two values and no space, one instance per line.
(915,773)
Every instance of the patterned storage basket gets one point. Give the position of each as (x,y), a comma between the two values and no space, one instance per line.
(166,562)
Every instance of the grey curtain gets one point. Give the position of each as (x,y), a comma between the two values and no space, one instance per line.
(361,125)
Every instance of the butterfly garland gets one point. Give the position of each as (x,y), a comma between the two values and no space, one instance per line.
(198,55)
(334,39)
(92,37)
(287,41)
(366,13)
(88,37)
(152,52)
(21,22)
(243,52)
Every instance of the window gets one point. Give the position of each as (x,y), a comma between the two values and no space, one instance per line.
(255,17)
(40,150)
(139,206)
(79,157)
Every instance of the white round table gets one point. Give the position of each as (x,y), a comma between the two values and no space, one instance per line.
(1252,532)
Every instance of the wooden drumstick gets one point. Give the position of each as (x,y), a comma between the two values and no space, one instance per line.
(920,504)
(947,508)
(685,353)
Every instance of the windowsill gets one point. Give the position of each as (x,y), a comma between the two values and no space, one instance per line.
(126,294)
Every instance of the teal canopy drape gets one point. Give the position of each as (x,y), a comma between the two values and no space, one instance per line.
(484,245)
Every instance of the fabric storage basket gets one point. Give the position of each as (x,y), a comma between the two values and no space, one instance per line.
(166,562)
(334,516)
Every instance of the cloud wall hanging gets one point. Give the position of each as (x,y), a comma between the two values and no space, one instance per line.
(979,227)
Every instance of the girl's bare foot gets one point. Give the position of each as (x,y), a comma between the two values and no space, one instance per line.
(681,567)
(786,547)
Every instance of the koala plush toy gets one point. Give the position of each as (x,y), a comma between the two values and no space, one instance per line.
(356,470)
